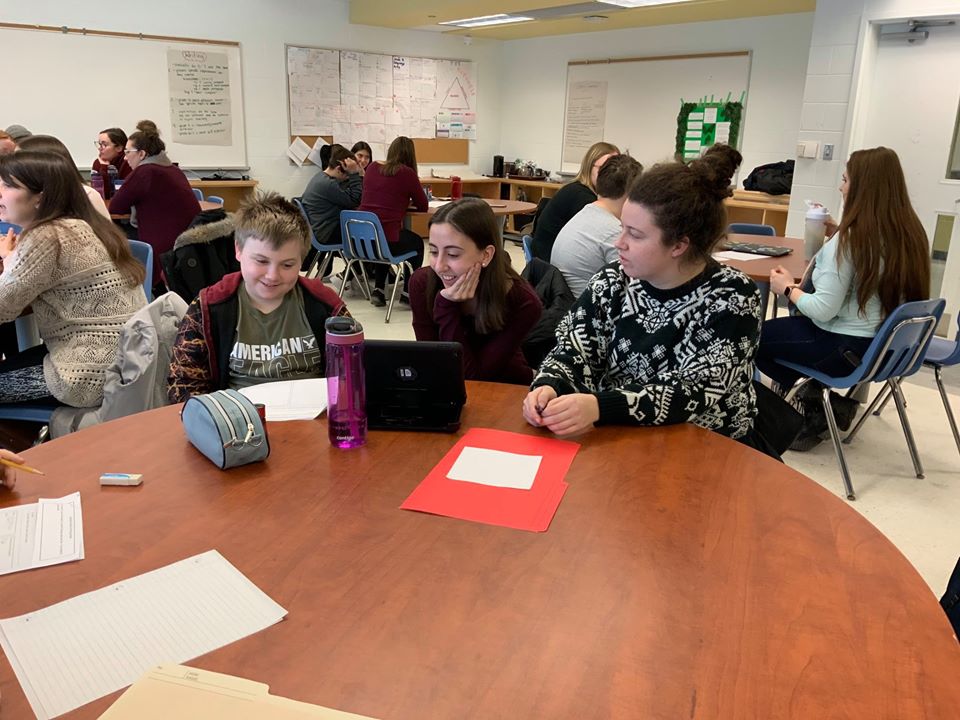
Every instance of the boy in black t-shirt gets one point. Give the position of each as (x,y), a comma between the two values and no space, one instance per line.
(262,324)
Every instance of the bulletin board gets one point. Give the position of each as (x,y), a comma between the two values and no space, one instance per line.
(77,81)
(705,123)
(633,102)
(348,96)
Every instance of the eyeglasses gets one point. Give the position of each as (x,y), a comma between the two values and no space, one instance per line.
(100,144)
(127,151)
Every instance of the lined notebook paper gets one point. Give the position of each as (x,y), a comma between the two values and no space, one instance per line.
(76,651)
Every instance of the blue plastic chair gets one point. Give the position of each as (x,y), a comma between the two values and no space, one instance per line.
(940,354)
(527,241)
(144,253)
(365,242)
(326,251)
(897,351)
(215,199)
(764,287)
(198,194)
(752,229)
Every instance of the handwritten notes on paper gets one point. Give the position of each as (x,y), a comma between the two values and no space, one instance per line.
(43,533)
(585,118)
(200,97)
(375,97)
(78,650)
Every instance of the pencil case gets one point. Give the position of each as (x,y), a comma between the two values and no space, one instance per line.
(225,427)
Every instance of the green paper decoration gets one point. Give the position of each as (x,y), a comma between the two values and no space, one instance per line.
(731,112)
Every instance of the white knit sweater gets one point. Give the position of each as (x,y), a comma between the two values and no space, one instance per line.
(80,301)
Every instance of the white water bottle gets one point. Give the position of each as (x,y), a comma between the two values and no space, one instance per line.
(815,225)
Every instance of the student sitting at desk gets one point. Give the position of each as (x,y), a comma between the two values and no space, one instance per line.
(74,267)
(337,187)
(388,190)
(878,259)
(585,244)
(666,335)
(263,323)
(470,294)
(159,191)
(48,143)
(570,199)
(363,152)
(110,146)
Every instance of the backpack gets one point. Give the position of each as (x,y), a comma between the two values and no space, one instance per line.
(773,179)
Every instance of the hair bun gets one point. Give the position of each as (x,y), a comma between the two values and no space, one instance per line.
(716,168)
(148,126)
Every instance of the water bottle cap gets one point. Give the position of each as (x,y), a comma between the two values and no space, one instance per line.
(343,331)
(817,212)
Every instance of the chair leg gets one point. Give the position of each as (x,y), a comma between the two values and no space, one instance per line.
(946,405)
(346,276)
(905,423)
(837,447)
(397,283)
(881,394)
(887,394)
(327,260)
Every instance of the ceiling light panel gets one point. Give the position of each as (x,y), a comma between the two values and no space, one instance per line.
(487,21)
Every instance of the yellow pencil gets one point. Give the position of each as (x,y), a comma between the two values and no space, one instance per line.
(25,468)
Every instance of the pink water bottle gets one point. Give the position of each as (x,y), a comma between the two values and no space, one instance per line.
(346,398)
(456,187)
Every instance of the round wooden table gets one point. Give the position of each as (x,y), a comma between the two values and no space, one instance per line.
(684,576)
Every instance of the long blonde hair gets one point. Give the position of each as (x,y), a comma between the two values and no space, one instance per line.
(596,151)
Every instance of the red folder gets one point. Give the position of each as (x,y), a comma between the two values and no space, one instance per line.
(508,507)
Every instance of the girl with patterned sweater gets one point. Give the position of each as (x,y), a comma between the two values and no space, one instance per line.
(74,268)
(665,335)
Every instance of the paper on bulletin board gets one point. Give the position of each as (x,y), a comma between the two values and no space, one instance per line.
(584,120)
(710,115)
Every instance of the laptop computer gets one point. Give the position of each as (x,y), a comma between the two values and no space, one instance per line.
(413,385)
(757,248)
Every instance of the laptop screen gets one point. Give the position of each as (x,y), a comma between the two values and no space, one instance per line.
(414,385)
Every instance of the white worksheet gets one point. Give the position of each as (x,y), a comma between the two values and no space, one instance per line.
(734,255)
(496,468)
(43,533)
(81,649)
(290,399)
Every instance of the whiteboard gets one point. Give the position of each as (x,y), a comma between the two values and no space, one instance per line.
(73,86)
(643,98)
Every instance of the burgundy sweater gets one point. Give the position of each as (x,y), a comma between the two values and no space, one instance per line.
(390,196)
(165,206)
(495,356)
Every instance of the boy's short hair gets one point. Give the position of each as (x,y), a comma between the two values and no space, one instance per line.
(338,153)
(616,176)
(274,219)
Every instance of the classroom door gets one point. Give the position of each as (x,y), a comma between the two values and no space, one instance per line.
(912,106)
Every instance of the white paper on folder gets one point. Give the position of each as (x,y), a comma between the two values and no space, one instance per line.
(438,203)
(734,255)
(44,533)
(496,468)
(290,399)
(81,649)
